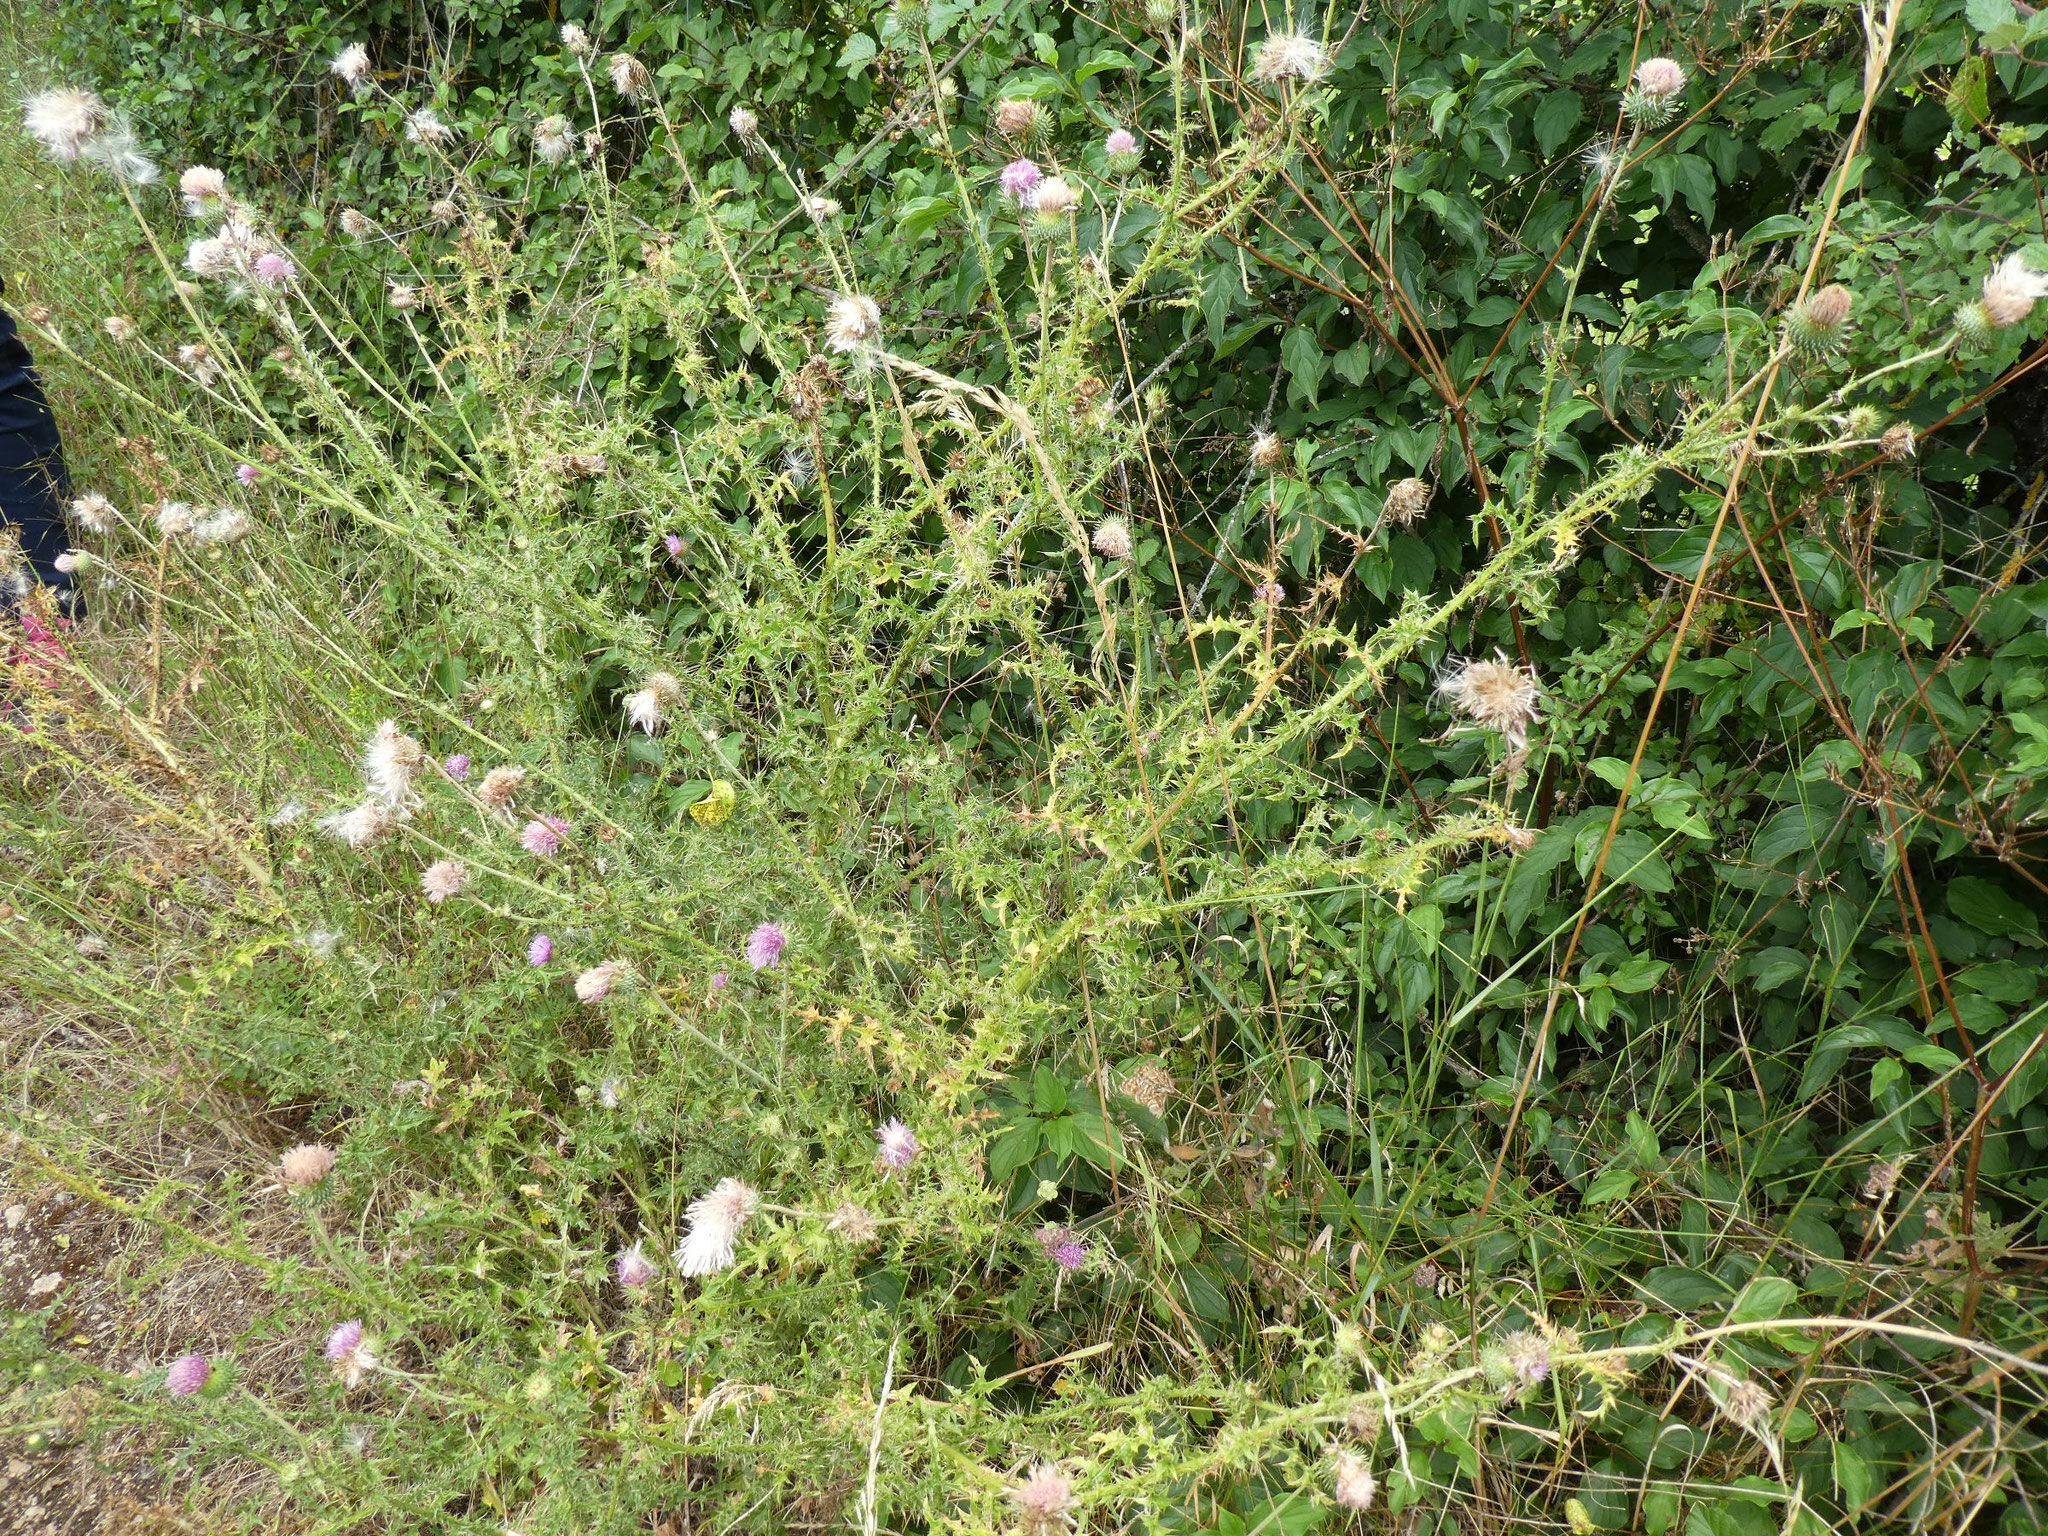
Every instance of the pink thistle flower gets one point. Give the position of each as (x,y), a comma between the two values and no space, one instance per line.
(204,189)
(1120,142)
(596,984)
(540,950)
(1018,179)
(765,945)
(457,767)
(442,879)
(1660,77)
(275,269)
(1041,1500)
(719,981)
(304,1166)
(543,838)
(348,1351)
(187,1376)
(673,542)
(1063,1246)
(248,474)
(898,1144)
(633,1269)
(344,1340)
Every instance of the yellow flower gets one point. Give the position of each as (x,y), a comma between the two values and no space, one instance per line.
(715,806)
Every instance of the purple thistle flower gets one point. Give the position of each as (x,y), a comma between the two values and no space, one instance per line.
(899,1144)
(633,1270)
(457,767)
(274,269)
(1019,178)
(187,1376)
(540,950)
(1120,142)
(764,946)
(248,474)
(1063,1246)
(543,838)
(674,544)
(719,980)
(345,1340)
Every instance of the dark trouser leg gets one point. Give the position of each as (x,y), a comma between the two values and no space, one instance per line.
(33,484)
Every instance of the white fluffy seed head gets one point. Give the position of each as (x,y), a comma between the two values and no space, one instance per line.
(596,984)
(351,67)
(423,126)
(361,826)
(1660,78)
(94,513)
(1290,56)
(1053,199)
(2010,289)
(116,151)
(224,525)
(554,139)
(715,1222)
(63,121)
(197,359)
(1407,500)
(1353,1482)
(852,322)
(1268,452)
(630,77)
(391,761)
(1494,695)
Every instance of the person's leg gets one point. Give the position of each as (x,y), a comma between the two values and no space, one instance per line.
(33,484)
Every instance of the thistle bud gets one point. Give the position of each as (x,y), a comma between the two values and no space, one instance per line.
(1019,118)
(1819,323)
(1975,329)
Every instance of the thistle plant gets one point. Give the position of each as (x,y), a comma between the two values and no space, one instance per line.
(868,680)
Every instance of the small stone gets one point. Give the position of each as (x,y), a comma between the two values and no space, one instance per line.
(43,1285)
(16,1215)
